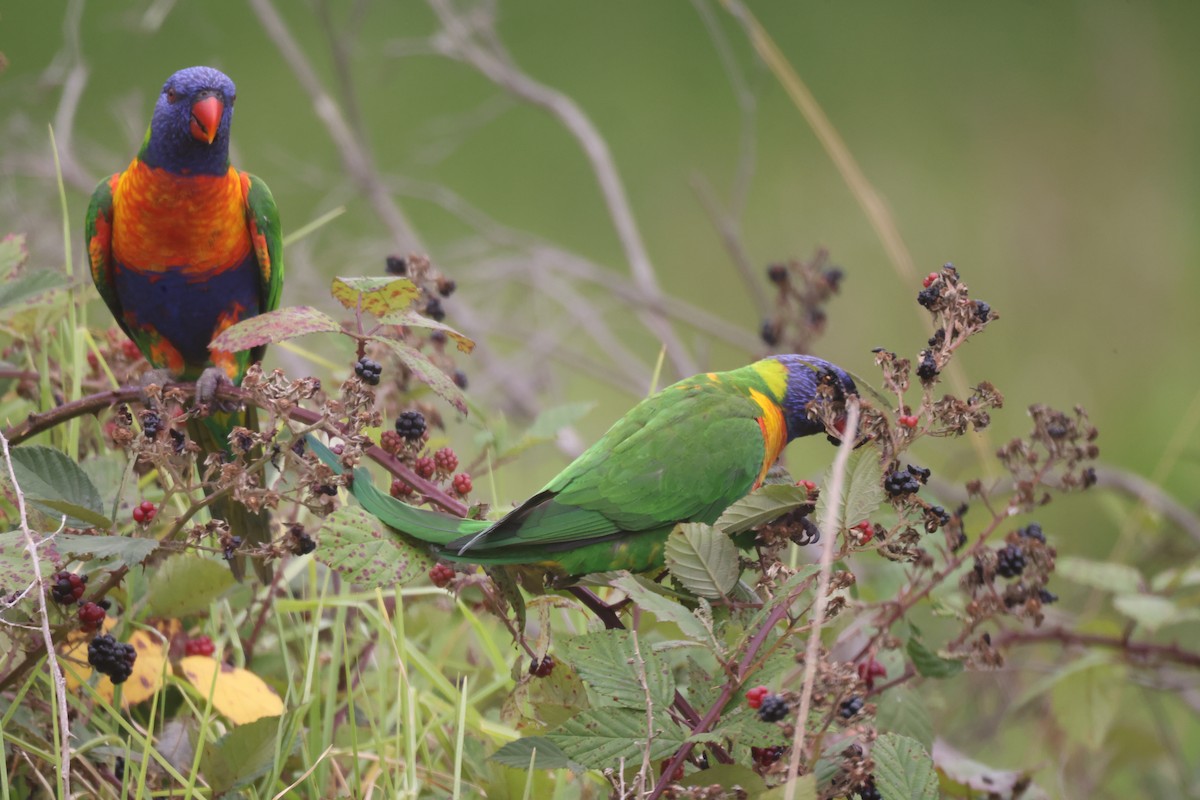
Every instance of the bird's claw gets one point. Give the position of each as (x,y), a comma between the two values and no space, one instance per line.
(207,386)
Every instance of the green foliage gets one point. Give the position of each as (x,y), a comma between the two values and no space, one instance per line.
(185,584)
(56,484)
(353,544)
(703,559)
(903,769)
(244,754)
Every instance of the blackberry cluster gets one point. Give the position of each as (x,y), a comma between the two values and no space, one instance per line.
(1032,531)
(200,646)
(445,460)
(446,286)
(850,707)
(230,549)
(773,708)
(368,370)
(1047,597)
(151,424)
(397,265)
(91,616)
(391,442)
(425,467)
(67,587)
(982,310)
(769,334)
(1010,561)
(938,339)
(766,756)
(460,379)
(929,296)
(300,543)
(411,425)
(777,273)
(441,575)
(112,658)
(927,370)
(900,483)
(542,668)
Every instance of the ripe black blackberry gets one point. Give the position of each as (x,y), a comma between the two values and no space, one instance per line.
(1033,531)
(927,370)
(460,379)
(434,310)
(929,296)
(410,425)
(773,708)
(112,658)
(833,276)
(1047,597)
(769,334)
(1010,561)
(151,424)
(868,791)
(368,370)
(850,707)
(777,273)
(900,483)
(396,265)
(982,310)
(67,587)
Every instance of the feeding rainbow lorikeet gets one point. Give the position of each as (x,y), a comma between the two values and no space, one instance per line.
(182,246)
(682,455)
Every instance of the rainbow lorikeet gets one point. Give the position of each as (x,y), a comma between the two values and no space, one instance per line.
(682,455)
(182,246)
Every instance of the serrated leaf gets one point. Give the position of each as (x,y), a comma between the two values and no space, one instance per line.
(608,664)
(237,693)
(128,551)
(15,290)
(76,512)
(241,756)
(1104,575)
(44,473)
(352,543)
(903,769)
(378,296)
(1153,612)
(13,253)
(976,776)
(16,568)
(743,726)
(272,327)
(803,788)
(1085,702)
(519,753)
(186,584)
(601,737)
(760,506)
(539,703)
(863,491)
(703,559)
(411,319)
(900,710)
(929,663)
(664,608)
(426,372)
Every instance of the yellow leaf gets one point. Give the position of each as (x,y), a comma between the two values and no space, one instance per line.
(238,694)
(378,296)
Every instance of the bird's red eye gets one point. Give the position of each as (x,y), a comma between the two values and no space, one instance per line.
(172,96)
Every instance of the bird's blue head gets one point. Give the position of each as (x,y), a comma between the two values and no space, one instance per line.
(805,374)
(189,133)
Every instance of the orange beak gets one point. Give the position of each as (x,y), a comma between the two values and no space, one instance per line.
(206,119)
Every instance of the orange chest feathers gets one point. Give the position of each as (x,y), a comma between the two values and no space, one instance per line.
(164,221)
(774,432)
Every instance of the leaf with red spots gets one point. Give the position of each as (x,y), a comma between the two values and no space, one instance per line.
(376,296)
(426,372)
(412,319)
(352,544)
(272,327)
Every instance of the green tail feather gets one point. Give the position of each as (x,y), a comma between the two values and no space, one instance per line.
(254,527)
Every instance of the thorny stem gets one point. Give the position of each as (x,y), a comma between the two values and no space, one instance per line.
(56,675)
(1141,650)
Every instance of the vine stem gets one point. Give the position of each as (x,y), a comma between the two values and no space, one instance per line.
(829,526)
(56,675)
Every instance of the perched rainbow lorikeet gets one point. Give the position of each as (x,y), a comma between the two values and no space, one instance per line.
(182,246)
(682,455)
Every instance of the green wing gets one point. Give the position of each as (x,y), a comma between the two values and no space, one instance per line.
(684,454)
(98,239)
(267,238)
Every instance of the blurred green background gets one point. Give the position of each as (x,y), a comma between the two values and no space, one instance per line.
(1048,150)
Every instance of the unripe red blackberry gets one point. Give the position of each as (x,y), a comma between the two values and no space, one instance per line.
(441,575)
(462,483)
(391,442)
(445,460)
(91,616)
(200,646)
(67,587)
(424,467)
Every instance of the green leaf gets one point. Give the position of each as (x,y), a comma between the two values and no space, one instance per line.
(411,319)
(13,253)
(803,788)
(901,710)
(242,755)
(129,551)
(762,505)
(728,776)
(272,327)
(972,776)
(353,545)
(703,559)
(426,372)
(662,607)
(518,754)
(608,664)
(539,703)
(1115,578)
(377,296)
(186,584)
(863,489)
(929,663)
(71,511)
(1153,612)
(1085,701)
(600,737)
(44,473)
(16,568)
(742,725)
(15,290)
(903,769)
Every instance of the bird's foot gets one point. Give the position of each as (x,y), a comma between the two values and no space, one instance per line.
(207,386)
